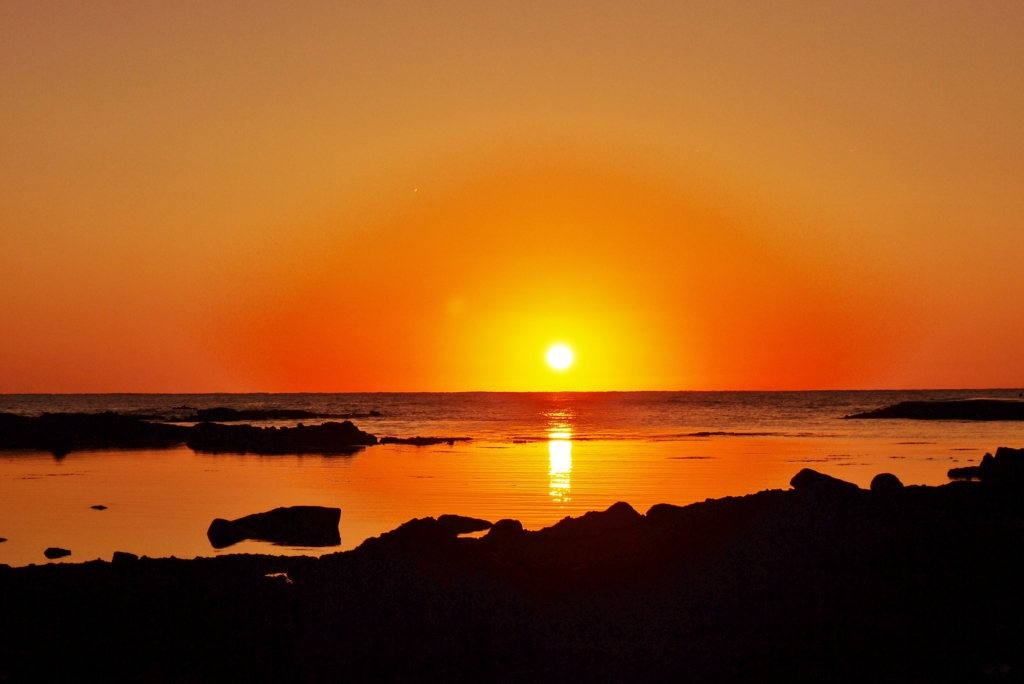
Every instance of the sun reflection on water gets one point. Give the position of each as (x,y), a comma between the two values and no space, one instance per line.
(560,461)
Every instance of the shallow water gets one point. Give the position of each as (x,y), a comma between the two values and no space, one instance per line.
(534,457)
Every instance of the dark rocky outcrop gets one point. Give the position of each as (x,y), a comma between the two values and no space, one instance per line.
(223,414)
(291,526)
(886,482)
(328,438)
(966,409)
(460,524)
(1005,468)
(820,583)
(62,433)
(812,482)
(424,441)
(123,557)
(56,552)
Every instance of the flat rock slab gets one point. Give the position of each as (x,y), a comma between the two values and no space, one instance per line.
(328,438)
(56,552)
(289,526)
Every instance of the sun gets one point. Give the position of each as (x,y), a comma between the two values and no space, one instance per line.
(559,357)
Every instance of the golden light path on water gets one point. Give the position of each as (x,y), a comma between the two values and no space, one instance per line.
(560,455)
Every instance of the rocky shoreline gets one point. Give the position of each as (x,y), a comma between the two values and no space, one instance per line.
(821,582)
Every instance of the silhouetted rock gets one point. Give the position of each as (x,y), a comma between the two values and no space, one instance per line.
(291,526)
(62,433)
(328,438)
(812,481)
(505,529)
(224,414)
(460,524)
(98,507)
(123,557)
(966,409)
(1006,467)
(424,441)
(886,482)
(3,539)
(56,552)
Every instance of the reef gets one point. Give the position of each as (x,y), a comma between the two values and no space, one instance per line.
(326,438)
(967,409)
(822,582)
(62,433)
(424,441)
(221,414)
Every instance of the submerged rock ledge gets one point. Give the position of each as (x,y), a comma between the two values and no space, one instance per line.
(826,581)
(966,409)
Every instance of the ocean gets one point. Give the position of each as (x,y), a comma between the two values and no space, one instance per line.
(535,457)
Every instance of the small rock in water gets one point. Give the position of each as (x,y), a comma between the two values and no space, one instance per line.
(2,540)
(56,552)
(98,507)
(886,482)
(123,557)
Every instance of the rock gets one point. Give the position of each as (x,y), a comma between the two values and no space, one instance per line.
(886,482)
(967,409)
(56,552)
(3,539)
(328,438)
(1006,467)
(223,414)
(123,557)
(424,441)
(504,530)
(460,524)
(98,507)
(290,526)
(812,481)
(62,433)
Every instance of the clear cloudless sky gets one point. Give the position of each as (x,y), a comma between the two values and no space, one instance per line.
(358,196)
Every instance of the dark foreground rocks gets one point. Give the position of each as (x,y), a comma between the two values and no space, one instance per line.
(967,409)
(328,438)
(291,526)
(819,583)
(62,433)
(1005,468)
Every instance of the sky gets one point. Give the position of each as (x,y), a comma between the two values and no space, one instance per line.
(385,196)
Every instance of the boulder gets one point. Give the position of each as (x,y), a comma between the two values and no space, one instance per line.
(504,530)
(811,481)
(123,557)
(460,524)
(56,552)
(1006,467)
(289,526)
(886,482)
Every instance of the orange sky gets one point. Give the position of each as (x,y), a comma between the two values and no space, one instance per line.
(426,196)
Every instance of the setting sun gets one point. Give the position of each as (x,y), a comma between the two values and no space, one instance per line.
(559,357)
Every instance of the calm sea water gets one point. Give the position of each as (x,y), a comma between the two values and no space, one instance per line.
(534,457)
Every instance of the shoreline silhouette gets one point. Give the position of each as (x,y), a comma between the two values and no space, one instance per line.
(822,581)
